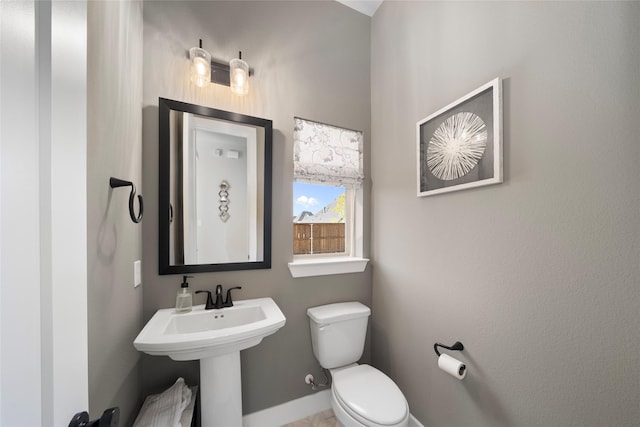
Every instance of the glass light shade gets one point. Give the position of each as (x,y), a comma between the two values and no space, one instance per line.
(239,76)
(200,66)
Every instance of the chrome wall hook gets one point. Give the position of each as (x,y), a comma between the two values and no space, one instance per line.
(115,183)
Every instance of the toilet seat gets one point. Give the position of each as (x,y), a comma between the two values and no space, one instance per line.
(369,396)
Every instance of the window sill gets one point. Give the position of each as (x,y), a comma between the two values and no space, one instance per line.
(324,266)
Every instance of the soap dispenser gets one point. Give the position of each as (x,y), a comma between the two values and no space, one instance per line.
(184,299)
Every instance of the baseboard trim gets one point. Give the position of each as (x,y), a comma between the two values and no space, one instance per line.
(297,409)
(413,422)
(289,412)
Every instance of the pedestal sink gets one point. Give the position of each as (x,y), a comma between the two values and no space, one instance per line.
(215,337)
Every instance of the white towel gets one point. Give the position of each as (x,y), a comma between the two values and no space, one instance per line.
(165,409)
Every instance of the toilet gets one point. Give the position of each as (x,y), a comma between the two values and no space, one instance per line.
(361,395)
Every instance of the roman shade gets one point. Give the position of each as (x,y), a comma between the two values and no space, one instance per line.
(326,154)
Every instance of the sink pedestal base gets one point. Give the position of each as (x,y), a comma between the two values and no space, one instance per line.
(221,390)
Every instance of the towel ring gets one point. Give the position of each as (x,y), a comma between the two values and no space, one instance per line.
(115,183)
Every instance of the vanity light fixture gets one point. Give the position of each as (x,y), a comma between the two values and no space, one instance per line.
(200,68)
(239,75)
(204,70)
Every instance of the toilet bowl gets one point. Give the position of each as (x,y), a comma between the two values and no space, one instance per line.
(361,395)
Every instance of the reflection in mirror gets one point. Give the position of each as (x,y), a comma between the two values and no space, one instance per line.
(215,190)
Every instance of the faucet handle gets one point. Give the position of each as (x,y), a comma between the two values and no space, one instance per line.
(209,304)
(228,302)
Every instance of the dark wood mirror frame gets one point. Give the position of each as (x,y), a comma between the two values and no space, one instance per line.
(165,108)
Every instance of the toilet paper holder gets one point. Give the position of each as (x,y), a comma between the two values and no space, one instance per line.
(456,346)
(449,364)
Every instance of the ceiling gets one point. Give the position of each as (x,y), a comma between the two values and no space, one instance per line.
(368,7)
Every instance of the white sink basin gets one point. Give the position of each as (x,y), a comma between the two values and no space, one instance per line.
(216,338)
(208,333)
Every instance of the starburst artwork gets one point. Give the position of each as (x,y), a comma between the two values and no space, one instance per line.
(460,145)
(456,146)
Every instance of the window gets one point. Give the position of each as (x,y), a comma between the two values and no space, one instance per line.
(319,219)
(327,199)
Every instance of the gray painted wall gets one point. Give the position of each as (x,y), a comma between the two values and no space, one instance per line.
(311,59)
(538,276)
(114,148)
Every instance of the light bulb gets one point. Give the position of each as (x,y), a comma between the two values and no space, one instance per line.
(239,76)
(200,66)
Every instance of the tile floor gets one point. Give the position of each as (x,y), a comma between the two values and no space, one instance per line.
(321,419)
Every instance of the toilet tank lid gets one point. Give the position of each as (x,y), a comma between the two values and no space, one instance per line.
(338,312)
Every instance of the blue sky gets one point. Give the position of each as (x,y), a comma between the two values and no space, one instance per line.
(313,197)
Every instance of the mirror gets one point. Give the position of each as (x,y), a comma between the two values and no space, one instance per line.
(215,190)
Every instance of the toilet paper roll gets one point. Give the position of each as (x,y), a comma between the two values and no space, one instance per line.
(452,366)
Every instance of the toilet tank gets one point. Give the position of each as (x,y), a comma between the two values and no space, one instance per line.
(338,332)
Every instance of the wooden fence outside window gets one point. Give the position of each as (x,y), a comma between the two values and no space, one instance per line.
(318,238)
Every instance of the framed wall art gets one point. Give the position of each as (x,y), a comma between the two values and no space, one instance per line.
(460,145)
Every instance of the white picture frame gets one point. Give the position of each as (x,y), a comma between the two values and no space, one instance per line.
(460,145)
